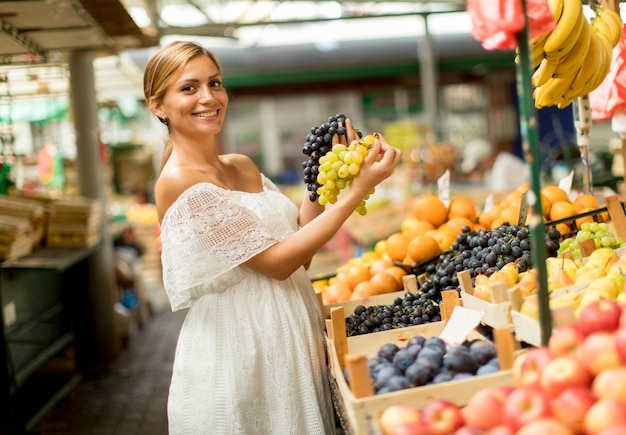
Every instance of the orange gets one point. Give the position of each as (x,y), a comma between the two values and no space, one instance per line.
(363,290)
(380,265)
(398,273)
(561,210)
(337,292)
(396,246)
(456,224)
(380,247)
(554,194)
(431,208)
(604,216)
(585,201)
(462,207)
(510,215)
(356,274)
(383,283)
(583,219)
(423,248)
(564,229)
(412,227)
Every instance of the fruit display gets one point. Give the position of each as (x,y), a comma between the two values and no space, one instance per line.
(428,360)
(599,232)
(410,310)
(576,384)
(574,58)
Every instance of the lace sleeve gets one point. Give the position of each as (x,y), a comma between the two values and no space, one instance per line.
(205,234)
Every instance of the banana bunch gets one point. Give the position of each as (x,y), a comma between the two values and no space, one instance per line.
(575,57)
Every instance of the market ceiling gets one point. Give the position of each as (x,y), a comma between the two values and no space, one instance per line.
(40,30)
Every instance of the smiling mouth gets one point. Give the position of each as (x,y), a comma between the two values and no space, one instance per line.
(206,114)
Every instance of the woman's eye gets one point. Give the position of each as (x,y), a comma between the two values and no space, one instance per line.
(216,84)
(188,88)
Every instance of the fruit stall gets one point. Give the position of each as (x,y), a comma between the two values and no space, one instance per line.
(465,319)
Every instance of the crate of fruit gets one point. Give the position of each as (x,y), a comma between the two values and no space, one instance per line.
(359,401)
(409,285)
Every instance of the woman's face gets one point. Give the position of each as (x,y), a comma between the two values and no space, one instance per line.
(195,103)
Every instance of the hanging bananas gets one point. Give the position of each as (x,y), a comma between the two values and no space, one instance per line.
(574,58)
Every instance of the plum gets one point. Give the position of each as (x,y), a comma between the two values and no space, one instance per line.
(487,369)
(443,376)
(418,339)
(460,361)
(384,374)
(414,349)
(402,359)
(418,374)
(435,342)
(388,350)
(483,351)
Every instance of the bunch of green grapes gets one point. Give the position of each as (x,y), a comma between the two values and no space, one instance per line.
(597,231)
(338,167)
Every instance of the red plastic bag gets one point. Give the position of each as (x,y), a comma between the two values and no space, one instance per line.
(611,94)
(497,23)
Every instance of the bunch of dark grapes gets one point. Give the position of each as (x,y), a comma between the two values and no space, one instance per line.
(411,310)
(318,142)
(484,252)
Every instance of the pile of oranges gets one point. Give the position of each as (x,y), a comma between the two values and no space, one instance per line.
(431,229)
(427,232)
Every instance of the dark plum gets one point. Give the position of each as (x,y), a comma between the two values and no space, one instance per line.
(418,374)
(388,350)
(483,351)
(402,359)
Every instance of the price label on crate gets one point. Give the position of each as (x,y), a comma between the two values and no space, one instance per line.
(443,185)
(461,323)
(565,183)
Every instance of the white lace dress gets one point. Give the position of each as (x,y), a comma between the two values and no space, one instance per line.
(250,357)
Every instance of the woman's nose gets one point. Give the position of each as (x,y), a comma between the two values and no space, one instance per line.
(205,93)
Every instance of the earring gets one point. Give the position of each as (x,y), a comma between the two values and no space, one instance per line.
(163,121)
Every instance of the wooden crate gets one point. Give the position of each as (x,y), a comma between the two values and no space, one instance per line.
(31,209)
(359,408)
(528,329)
(496,313)
(74,223)
(15,237)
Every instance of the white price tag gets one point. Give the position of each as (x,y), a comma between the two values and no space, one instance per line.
(461,323)
(566,182)
(443,185)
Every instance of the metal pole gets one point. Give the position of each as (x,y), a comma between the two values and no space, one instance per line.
(528,125)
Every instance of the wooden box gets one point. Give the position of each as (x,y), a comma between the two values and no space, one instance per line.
(31,209)
(496,313)
(74,223)
(360,412)
(15,237)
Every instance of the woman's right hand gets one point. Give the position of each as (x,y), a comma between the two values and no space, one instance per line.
(378,165)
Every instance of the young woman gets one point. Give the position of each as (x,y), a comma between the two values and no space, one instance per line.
(250,357)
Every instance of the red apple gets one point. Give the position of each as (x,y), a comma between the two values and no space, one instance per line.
(571,405)
(525,404)
(415,428)
(600,315)
(441,417)
(610,384)
(599,352)
(566,339)
(502,429)
(604,414)
(620,342)
(562,372)
(466,430)
(545,425)
(396,415)
(484,409)
(615,430)
(527,366)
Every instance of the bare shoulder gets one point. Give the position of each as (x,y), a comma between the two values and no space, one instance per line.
(172,183)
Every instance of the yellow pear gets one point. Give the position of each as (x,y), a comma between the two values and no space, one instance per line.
(605,286)
(603,257)
(588,273)
(530,307)
(511,272)
(568,299)
(528,283)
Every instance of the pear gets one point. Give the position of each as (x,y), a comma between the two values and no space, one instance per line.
(568,299)
(603,257)
(528,283)
(530,307)
(588,273)
(607,287)
(509,272)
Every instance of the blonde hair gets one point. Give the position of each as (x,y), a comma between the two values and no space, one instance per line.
(164,66)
